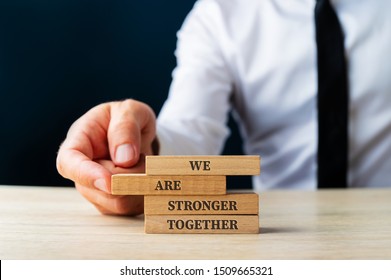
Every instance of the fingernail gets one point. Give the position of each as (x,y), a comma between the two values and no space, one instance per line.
(124,153)
(100,184)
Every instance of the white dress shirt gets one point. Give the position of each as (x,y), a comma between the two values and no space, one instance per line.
(258,59)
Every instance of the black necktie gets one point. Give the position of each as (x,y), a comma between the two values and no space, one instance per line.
(332,99)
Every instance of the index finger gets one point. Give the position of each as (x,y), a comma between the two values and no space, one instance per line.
(86,141)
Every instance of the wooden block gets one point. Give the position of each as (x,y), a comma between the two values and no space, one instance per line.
(141,184)
(203,165)
(201,224)
(229,204)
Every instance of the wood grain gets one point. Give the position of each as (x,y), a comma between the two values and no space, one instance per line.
(203,165)
(142,184)
(57,223)
(229,204)
(228,224)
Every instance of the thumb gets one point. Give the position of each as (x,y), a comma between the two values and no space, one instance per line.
(132,127)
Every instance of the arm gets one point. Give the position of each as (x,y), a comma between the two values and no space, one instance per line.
(193,119)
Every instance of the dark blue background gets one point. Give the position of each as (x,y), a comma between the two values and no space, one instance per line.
(59,58)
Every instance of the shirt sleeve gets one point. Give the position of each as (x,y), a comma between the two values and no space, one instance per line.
(193,119)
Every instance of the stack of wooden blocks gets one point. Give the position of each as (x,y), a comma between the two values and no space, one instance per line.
(188,194)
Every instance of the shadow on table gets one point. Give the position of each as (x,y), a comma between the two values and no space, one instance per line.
(267,230)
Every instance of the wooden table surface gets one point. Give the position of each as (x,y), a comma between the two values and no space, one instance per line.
(57,223)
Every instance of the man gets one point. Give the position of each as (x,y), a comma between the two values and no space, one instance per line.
(259,59)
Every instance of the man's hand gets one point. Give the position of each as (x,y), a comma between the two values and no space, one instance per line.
(107,140)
